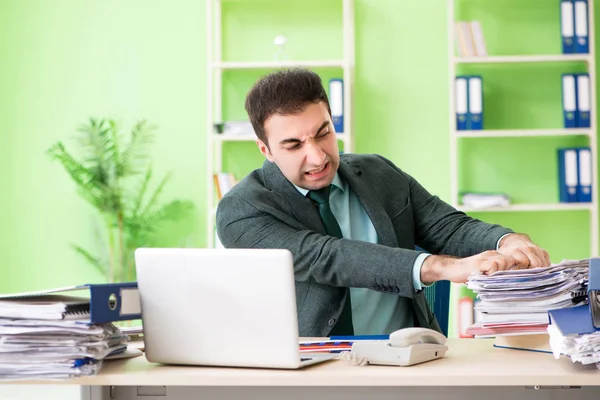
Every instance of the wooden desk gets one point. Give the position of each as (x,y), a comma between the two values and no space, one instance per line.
(471,368)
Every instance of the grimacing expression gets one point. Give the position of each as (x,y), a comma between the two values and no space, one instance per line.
(303,145)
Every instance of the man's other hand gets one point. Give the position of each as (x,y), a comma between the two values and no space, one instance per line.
(525,253)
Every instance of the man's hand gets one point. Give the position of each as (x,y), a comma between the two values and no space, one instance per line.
(525,253)
(457,270)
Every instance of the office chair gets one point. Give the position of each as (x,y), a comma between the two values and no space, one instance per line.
(438,297)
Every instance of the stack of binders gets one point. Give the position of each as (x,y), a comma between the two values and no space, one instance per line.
(53,334)
(575,175)
(575,332)
(469,102)
(576,100)
(574,26)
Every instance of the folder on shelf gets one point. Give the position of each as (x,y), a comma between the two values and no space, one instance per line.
(461,100)
(99,303)
(584,166)
(583,100)
(475,100)
(336,101)
(567,175)
(567,28)
(581,27)
(569,100)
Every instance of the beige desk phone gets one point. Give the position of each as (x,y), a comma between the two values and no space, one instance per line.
(406,347)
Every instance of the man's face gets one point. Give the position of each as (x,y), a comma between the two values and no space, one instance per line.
(303,146)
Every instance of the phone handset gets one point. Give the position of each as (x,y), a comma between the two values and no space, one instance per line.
(409,336)
(406,347)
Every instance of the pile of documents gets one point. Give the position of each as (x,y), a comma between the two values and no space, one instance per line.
(516,302)
(51,337)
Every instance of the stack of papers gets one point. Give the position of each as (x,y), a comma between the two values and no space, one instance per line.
(52,338)
(485,200)
(573,334)
(516,302)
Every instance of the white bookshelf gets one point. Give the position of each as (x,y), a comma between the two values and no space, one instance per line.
(591,133)
(214,92)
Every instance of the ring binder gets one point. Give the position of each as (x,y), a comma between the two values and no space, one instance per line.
(594,291)
(107,302)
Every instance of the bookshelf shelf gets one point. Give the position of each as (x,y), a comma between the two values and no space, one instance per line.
(533,207)
(523,59)
(522,132)
(227,65)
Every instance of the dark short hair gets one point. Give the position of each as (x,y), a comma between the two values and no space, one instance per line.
(283,92)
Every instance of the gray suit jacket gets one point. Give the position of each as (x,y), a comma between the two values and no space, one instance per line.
(265,210)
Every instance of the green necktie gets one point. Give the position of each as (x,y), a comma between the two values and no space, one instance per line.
(321,197)
(343,326)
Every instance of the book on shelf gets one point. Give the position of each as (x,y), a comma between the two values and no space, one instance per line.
(470,41)
(224,181)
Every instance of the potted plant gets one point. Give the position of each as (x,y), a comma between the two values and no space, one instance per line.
(113,174)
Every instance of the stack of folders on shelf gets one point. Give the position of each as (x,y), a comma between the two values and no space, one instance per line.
(574,26)
(224,181)
(516,302)
(576,100)
(575,175)
(234,128)
(53,334)
(575,332)
(485,200)
(469,102)
(469,39)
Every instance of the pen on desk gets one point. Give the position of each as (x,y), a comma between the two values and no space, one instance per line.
(361,337)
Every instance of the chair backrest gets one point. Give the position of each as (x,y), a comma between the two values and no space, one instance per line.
(438,297)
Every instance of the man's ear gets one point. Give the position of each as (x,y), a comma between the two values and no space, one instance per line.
(264,149)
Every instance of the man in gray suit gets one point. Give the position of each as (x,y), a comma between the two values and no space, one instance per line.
(352,222)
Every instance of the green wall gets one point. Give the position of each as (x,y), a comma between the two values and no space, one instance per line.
(71,60)
(68,60)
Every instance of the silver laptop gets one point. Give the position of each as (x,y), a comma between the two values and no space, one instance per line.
(220,307)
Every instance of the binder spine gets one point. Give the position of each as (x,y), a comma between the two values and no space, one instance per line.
(461,102)
(114,302)
(581,27)
(475,100)
(583,100)
(584,167)
(336,102)
(567,22)
(567,172)
(569,99)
